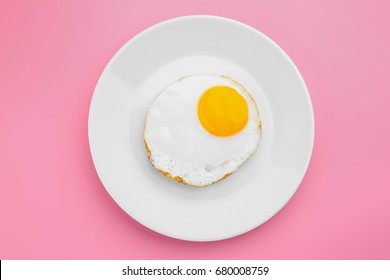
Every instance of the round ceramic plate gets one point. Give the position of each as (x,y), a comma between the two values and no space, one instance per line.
(201,45)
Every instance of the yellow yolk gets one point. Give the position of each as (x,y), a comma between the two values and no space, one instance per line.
(222,111)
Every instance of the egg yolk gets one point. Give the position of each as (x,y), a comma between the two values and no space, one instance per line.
(222,111)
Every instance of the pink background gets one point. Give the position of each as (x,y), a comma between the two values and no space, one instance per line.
(52,204)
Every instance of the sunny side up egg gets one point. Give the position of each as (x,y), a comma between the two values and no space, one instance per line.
(200,129)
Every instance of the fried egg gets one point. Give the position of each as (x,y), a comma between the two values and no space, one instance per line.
(200,129)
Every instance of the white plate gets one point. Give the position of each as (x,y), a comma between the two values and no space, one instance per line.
(163,54)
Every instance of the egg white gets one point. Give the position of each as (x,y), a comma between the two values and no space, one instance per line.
(178,145)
